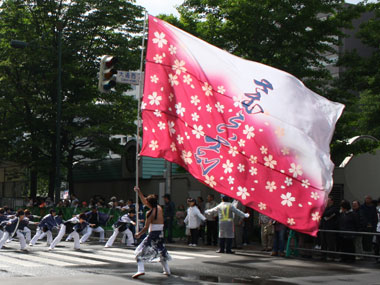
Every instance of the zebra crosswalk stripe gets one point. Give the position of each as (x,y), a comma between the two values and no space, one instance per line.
(96,255)
(74,260)
(172,254)
(18,262)
(40,259)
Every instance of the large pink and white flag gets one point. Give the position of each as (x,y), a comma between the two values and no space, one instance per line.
(247,130)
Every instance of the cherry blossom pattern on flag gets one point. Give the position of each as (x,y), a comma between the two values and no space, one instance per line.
(224,138)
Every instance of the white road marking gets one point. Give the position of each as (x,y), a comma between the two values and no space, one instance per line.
(98,256)
(39,259)
(18,262)
(120,250)
(195,254)
(81,261)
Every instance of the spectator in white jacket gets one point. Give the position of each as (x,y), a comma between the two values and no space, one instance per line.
(193,221)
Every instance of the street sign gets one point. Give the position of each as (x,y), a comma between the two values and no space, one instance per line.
(128,77)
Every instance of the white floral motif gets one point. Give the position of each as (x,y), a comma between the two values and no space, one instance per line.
(172,49)
(207,89)
(171,128)
(179,139)
(195,100)
(280,132)
(198,131)
(243,192)
(241,167)
(171,96)
(248,130)
(173,147)
(238,100)
(288,181)
(187,79)
(153,144)
(173,79)
(262,206)
(291,221)
(143,105)
(287,199)
(154,99)
(159,39)
(154,78)
(253,170)
(186,156)
(263,150)
(195,116)
(209,108)
(269,161)
(219,107)
(228,167)
(241,143)
(161,126)
(179,66)
(305,183)
(157,113)
(314,195)
(157,58)
(221,89)
(210,181)
(315,216)
(230,180)
(295,169)
(233,151)
(271,186)
(253,159)
(180,109)
(285,151)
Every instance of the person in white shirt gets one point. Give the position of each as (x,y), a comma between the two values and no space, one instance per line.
(193,221)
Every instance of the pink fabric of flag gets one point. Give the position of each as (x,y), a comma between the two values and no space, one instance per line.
(247,130)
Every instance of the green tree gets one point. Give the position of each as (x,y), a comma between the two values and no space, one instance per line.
(358,87)
(294,35)
(28,77)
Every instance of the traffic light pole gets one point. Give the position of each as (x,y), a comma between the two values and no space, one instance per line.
(58,121)
(141,88)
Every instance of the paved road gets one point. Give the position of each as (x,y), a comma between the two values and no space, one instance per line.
(96,265)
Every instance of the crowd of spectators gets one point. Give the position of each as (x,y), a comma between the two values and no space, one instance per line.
(346,229)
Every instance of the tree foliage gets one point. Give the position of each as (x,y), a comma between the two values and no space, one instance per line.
(28,79)
(291,35)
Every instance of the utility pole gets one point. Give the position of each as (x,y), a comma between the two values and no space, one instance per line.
(58,119)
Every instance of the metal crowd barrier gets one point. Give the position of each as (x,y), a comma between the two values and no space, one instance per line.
(296,249)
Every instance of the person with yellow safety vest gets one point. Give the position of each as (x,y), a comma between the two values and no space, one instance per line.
(225,212)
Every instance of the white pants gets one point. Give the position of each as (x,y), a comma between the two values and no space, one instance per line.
(28,234)
(20,237)
(126,233)
(1,234)
(38,235)
(60,235)
(165,267)
(89,233)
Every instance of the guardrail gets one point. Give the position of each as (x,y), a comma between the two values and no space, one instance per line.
(295,250)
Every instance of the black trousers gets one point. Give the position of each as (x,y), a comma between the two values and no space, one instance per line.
(194,236)
(168,228)
(347,245)
(212,232)
(225,244)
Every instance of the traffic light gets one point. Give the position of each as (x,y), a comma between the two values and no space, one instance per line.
(107,74)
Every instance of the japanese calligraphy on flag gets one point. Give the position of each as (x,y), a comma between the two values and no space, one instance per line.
(247,130)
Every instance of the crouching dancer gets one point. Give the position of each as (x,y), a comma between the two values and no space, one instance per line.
(152,248)
(122,226)
(72,226)
(46,225)
(15,226)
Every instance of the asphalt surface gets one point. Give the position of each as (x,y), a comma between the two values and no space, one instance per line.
(201,265)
